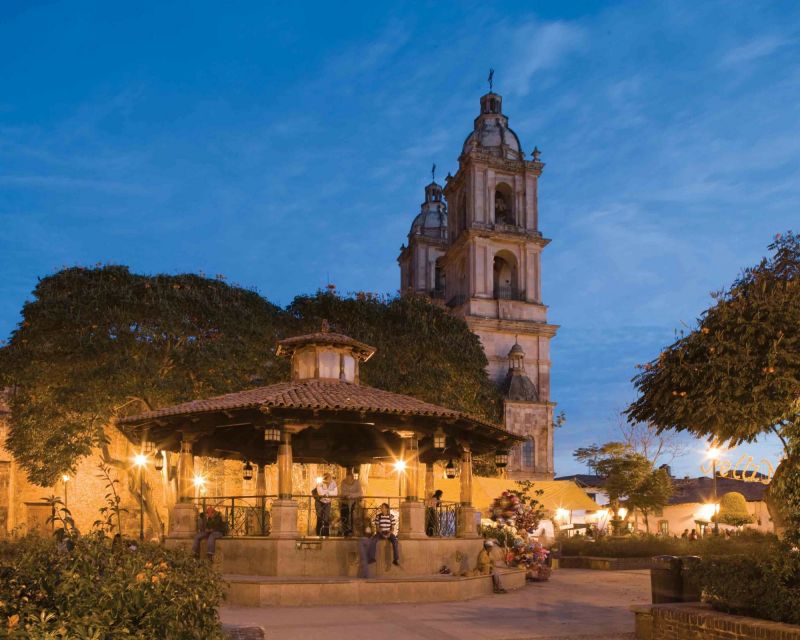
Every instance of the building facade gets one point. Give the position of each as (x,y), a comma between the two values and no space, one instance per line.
(476,247)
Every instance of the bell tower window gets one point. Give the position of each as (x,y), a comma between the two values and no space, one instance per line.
(503,213)
(505,276)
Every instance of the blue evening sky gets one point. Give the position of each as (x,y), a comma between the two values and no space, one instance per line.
(286,145)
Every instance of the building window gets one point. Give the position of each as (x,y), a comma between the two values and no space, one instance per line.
(528,454)
(503,211)
(663,527)
(505,276)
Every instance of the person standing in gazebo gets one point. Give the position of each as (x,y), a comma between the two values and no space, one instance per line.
(350,494)
(326,490)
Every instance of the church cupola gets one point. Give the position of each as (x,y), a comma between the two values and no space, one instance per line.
(431,221)
(325,356)
(517,387)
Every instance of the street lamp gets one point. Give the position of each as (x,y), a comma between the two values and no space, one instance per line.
(400,466)
(272,434)
(501,459)
(65,479)
(450,470)
(159,461)
(140,460)
(714,454)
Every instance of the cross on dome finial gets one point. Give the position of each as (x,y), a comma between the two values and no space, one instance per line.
(536,154)
(491,80)
(433,172)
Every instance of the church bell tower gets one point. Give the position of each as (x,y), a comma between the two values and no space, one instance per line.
(490,274)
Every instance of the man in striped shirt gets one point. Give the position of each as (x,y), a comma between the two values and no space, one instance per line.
(384,530)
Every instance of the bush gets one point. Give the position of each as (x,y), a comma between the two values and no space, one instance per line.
(648,546)
(765,585)
(93,591)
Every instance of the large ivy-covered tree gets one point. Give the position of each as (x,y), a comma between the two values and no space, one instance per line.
(95,343)
(736,376)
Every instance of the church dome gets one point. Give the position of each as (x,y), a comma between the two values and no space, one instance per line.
(491,132)
(432,218)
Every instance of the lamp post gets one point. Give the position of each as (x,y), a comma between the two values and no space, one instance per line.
(713,453)
(141,461)
(64,480)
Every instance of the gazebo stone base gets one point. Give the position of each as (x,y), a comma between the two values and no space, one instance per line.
(412,521)
(284,519)
(183,520)
(261,591)
(342,557)
(466,523)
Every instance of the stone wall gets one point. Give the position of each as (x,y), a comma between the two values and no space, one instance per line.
(683,621)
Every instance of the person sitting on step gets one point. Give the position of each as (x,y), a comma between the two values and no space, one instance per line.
(485,566)
(385,523)
(212,526)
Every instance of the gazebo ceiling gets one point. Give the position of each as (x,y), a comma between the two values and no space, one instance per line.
(333,421)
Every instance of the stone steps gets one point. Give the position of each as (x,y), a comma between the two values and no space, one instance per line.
(266,591)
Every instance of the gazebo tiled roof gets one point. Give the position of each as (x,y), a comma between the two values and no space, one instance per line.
(288,346)
(329,415)
(314,395)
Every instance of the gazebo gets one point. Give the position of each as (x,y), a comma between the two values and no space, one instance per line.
(322,415)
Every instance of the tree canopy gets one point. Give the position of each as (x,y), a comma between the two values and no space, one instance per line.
(629,477)
(737,374)
(95,343)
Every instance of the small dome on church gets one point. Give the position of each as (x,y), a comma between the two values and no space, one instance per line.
(516,350)
(432,218)
(491,132)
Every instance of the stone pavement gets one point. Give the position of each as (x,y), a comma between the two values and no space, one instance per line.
(576,604)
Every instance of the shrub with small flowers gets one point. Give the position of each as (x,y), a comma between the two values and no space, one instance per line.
(92,589)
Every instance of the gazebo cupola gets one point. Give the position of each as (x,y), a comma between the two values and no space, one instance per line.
(325,356)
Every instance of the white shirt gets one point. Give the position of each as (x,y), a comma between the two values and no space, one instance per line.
(327,491)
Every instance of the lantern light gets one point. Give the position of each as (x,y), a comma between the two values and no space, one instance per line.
(501,459)
(355,473)
(148,446)
(400,466)
(450,470)
(199,481)
(439,439)
(158,463)
(140,460)
(272,434)
(247,471)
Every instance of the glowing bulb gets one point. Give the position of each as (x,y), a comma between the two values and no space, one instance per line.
(562,514)
(601,514)
(140,460)
(622,512)
(65,478)
(199,481)
(318,479)
(400,466)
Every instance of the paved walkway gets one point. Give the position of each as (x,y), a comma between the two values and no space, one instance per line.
(575,604)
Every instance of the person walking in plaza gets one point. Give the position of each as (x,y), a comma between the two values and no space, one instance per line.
(385,523)
(212,526)
(350,494)
(326,490)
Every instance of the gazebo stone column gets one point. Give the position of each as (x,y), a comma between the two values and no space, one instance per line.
(465,523)
(183,518)
(412,511)
(430,484)
(284,509)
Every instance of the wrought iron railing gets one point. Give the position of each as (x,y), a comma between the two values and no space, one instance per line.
(334,517)
(503,292)
(440,520)
(243,515)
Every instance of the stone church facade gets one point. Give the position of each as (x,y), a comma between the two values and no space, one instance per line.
(476,247)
